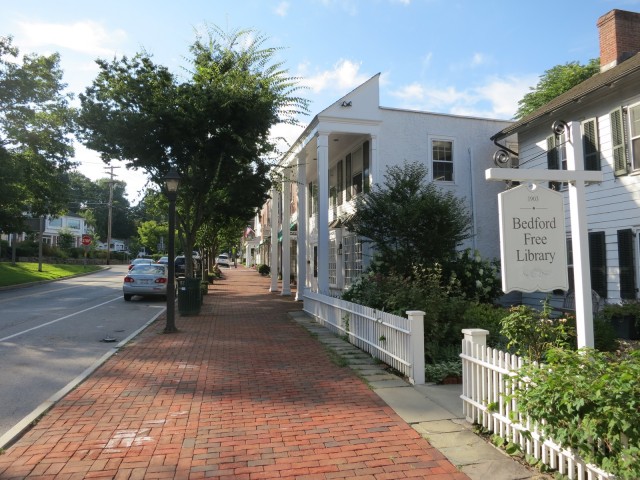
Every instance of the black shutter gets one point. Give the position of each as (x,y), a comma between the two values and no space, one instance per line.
(552,160)
(618,142)
(590,145)
(626,264)
(598,261)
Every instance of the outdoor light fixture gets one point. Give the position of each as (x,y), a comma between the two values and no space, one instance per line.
(171,182)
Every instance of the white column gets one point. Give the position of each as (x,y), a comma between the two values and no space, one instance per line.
(286,233)
(580,239)
(302,227)
(416,317)
(323,212)
(273,261)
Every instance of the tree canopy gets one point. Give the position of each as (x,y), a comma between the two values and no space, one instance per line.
(35,144)
(555,82)
(212,123)
(410,221)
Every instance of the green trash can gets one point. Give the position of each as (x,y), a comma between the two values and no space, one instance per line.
(189,296)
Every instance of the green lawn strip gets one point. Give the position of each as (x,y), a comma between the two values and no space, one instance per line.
(28,272)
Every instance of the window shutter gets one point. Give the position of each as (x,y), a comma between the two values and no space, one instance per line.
(598,261)
(618,142)
(626,264)
(590,145)
(552,160)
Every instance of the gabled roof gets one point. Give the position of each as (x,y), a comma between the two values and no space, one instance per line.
(601,80)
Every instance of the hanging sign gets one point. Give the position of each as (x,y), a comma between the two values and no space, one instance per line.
(533,246)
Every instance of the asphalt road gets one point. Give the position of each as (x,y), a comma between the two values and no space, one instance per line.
(51,333)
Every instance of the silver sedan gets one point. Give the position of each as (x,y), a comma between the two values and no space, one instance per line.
(146,280)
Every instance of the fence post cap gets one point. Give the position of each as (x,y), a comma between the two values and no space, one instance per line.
(475,331)
(415,312)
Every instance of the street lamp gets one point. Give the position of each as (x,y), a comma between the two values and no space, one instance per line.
(171,181)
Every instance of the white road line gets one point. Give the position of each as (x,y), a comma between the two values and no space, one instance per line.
(57,320)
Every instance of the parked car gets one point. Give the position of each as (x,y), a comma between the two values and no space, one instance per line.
(140,261)
(224,260)
(146,279)
(163,260)
(181,266)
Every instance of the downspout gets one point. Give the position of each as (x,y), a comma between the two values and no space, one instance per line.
(473,202)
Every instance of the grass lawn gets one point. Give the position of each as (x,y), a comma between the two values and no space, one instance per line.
(28,272)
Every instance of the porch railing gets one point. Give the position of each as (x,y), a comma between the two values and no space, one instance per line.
(396,341)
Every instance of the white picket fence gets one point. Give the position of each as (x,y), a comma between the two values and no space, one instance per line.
(484,371)
(396,341)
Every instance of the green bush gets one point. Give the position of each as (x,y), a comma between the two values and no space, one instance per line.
(479,279)
(438,372)
(489,317)
(531,333)
(585,395)
(264,269)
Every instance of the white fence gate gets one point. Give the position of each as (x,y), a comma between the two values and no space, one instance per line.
(484,371)
(396,341)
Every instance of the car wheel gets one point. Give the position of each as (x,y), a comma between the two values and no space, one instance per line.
(127,298)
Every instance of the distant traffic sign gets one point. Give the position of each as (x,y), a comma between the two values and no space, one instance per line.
(86,240)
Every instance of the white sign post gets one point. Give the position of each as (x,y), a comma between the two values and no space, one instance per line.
(579,233)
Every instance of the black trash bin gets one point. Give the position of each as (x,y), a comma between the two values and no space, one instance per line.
(189,296)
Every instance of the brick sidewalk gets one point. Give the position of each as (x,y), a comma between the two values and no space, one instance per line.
(240,392)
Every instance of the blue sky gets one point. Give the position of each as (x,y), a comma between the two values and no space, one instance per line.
(467,57)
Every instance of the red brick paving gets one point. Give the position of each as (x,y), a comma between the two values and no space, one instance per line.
(240,392)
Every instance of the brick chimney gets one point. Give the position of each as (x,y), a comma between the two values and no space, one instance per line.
(619,37)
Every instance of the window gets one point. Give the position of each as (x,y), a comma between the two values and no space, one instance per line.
(556,157)
(618,142)
(442,156)
(626,264)
(312,201)
(365,167)
(55,222)
(352,257)
(590,145)
(634,127)
(357,183)
(333,276)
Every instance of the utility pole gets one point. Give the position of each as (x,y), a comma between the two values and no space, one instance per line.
(110,168)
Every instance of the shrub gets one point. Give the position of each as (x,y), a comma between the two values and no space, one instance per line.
(531,333)
(479,278)
(264,269)
(585,395)
(438,372)
(488,317)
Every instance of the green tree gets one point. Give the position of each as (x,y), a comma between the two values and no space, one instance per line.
(410,221)
(555,82)
(150,233)
(35,144)
(212,123)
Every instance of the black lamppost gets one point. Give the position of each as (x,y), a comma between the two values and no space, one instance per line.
(171,181)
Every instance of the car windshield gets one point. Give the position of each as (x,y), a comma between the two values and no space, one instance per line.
(148,269)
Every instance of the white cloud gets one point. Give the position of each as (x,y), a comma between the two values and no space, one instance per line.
(86,37)
(344,75)
(282,9)
(478,59)
(496,98)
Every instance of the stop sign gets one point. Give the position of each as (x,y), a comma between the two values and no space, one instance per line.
(86,240)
